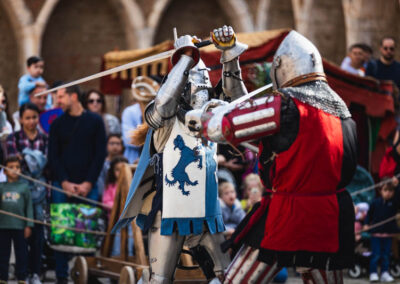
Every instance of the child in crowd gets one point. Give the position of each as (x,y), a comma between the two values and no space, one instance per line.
(252,191)
(31,146)
(15,197)
(111,181)
(232,212)
(381,209)
(113,174)
(28,82)
(115,147)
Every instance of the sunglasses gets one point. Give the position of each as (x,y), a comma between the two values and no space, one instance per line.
(93,101)
(391,48)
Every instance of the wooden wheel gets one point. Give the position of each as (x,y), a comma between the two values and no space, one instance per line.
(79,272)
(127,275)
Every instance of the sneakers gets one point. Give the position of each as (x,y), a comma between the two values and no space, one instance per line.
(373,277)
(386,277)
(35,279)
(62,281)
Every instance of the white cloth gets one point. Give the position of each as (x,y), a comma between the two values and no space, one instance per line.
(346,65)
(179,168)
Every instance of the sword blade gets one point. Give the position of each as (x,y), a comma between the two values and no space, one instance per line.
(250,95)
(133,64)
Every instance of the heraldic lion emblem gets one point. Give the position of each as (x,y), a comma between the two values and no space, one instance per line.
(187,157)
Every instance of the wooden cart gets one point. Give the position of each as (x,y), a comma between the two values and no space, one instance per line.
(126,269)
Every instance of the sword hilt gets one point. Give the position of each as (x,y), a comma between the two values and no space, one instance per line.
(203,43)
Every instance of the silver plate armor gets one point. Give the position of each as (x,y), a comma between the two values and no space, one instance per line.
(199,85)
(164,251)
(166,103)
(296,56)
(232,83)
(234,52)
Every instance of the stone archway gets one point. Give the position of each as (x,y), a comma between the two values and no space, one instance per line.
(189,17)
(274,15)
(77,35)
(9,58)
(369,21)
(192,21)
(239,14)
(133,21)
(323,23)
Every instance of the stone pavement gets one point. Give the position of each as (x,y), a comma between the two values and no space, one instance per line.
(291,280)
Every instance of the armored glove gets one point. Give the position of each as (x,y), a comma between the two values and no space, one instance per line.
(194,119)
(224,38)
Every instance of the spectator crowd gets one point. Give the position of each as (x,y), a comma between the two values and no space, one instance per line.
(68,139)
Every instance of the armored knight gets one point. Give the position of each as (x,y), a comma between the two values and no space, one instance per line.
(307,155)
(174,190)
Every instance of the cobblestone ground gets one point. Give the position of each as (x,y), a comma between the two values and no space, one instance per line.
(291,280)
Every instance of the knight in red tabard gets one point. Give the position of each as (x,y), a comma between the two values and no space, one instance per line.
(307,155)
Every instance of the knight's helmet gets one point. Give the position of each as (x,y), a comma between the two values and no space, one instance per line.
(198,87)
(297,60)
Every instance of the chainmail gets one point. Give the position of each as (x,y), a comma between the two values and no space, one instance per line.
(318,94)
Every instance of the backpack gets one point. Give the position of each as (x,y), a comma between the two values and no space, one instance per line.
(35,161)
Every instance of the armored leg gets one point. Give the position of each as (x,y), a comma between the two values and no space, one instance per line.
(245,268)
(164,252)
(212,243)
(316,276)
(207,252)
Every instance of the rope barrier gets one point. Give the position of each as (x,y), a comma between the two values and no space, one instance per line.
(52,187)
(373,186)
(109,207)
(52,225)
(397,216)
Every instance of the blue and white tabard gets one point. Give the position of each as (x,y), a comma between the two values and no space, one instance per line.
(190,190)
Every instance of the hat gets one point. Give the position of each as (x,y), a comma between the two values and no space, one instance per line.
(144,89)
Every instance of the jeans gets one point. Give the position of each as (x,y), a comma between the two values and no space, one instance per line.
(381,249)
(21,253)
(62,258)
(116,248)
(35,243)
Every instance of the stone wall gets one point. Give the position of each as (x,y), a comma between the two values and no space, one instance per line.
(78,33)
(72,35)
(368,21)
(189,18)
(323,23)
(9,70)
